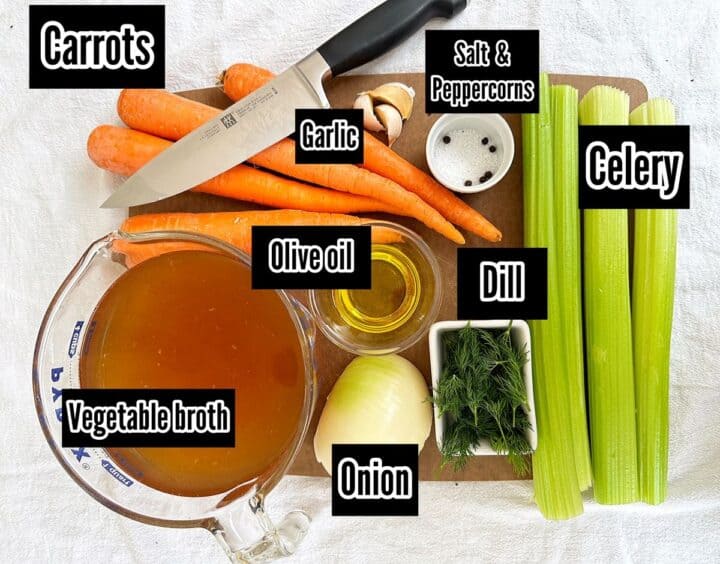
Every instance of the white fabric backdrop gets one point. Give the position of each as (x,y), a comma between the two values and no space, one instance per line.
(48,215)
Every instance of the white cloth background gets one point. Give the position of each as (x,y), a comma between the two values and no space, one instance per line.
(49,196)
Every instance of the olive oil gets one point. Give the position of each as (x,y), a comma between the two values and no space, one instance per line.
(393,298)
(402,301)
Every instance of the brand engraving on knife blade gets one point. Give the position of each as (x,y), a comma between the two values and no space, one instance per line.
(211,131)
(254,103)
(228,121)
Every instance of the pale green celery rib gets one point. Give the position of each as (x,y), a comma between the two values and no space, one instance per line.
(568,268)
(557,492)
(608,328)
(652,303)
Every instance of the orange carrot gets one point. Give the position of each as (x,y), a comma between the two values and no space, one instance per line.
(124,151)
(242,78)
(348,178)
(134,253)
(161,113)
(234,228)
(382,160)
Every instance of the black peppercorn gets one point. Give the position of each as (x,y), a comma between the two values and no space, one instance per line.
(485,140)
(468,183)
(446,139)
(492,148)
(485,177)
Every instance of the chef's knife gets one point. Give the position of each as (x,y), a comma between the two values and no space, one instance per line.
(268,114)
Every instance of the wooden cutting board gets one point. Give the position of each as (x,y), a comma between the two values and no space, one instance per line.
(502,204)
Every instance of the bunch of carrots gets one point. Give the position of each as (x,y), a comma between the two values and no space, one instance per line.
(306,194)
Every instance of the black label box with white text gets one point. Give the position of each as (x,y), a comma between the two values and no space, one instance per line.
(502,283)
(634,167)
(481,71)
(375,479)
(97,46)
(99,417)
(329,136)
(311,257)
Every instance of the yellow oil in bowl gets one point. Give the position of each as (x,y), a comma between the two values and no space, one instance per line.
(398,308)
(393,298)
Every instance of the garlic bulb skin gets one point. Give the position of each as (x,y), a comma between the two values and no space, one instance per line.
(396,94)
(391,118)
(370,122)
(386,107)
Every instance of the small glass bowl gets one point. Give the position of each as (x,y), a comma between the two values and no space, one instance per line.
(390,318)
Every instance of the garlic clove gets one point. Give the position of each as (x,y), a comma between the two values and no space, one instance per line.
(370,122)
(396,94)
(391,118)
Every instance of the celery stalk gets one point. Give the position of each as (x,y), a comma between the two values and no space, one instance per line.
(557,492)
(608,328)
(567,248)
(652,303)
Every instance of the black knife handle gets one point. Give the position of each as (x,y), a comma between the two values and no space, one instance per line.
(381,29)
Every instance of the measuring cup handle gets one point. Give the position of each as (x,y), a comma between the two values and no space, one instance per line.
(248,535)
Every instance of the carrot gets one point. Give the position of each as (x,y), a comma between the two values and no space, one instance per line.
(382,160)
(161,113)
(123,151)
(134,253)
(242,78)
(348,178)
(234,228)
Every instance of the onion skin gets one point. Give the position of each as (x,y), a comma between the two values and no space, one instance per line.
(376,400)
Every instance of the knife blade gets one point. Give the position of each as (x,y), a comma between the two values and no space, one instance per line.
(268,114)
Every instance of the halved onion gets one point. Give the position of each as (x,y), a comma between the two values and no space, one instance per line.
(376,400)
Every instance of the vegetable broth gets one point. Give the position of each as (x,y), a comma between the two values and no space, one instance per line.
(189,319)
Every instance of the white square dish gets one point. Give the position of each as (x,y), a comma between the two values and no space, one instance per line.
(520,336)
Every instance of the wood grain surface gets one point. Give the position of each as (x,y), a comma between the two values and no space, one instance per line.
(502,204)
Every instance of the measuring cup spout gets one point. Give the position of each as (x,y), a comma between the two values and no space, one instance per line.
(247,534)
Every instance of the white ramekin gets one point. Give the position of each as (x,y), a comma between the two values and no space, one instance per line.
(520,336)
(490,125)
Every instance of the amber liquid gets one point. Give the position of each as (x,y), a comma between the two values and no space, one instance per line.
(190,320)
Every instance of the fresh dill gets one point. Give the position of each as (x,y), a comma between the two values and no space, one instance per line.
(481,392)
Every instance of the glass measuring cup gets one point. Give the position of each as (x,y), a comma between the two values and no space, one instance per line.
(236,517)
